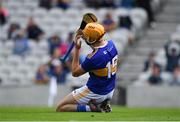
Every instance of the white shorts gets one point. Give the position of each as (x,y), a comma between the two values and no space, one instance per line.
(83,95)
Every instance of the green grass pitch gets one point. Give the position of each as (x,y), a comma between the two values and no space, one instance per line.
(118,113)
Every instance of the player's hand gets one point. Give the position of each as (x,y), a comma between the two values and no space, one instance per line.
(78,41)
(79,32)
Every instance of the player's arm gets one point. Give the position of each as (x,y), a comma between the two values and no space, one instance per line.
(76,67)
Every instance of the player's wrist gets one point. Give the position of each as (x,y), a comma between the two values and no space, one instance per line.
(77,51)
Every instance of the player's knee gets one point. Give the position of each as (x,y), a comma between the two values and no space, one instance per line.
(61,108)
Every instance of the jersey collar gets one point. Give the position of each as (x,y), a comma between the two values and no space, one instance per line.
(102,45)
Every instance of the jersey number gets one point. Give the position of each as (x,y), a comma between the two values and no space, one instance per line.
(112,67)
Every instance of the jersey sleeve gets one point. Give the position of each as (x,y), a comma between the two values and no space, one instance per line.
(87,65)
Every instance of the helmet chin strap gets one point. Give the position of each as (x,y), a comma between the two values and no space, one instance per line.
(91,43)
(88,42)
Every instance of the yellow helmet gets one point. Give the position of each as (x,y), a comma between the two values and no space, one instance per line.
(93,32)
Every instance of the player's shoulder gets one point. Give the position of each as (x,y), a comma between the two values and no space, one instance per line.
(110,42)
(97,51)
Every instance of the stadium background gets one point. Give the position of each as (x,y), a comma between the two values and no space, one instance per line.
(134,41)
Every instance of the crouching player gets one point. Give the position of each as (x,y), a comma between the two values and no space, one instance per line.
(101,65)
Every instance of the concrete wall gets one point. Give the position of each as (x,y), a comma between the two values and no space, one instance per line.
(29,95)
(135,96)
(153,96)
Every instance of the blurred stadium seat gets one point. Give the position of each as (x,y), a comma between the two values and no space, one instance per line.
(61,22)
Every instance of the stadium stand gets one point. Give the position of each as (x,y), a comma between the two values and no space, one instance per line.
(165,32)
(51,21)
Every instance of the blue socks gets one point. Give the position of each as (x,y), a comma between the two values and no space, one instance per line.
(83,108)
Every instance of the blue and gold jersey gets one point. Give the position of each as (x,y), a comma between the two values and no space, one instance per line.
(101,65)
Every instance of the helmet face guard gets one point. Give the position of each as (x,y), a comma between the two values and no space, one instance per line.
(93,32)
(87,40)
